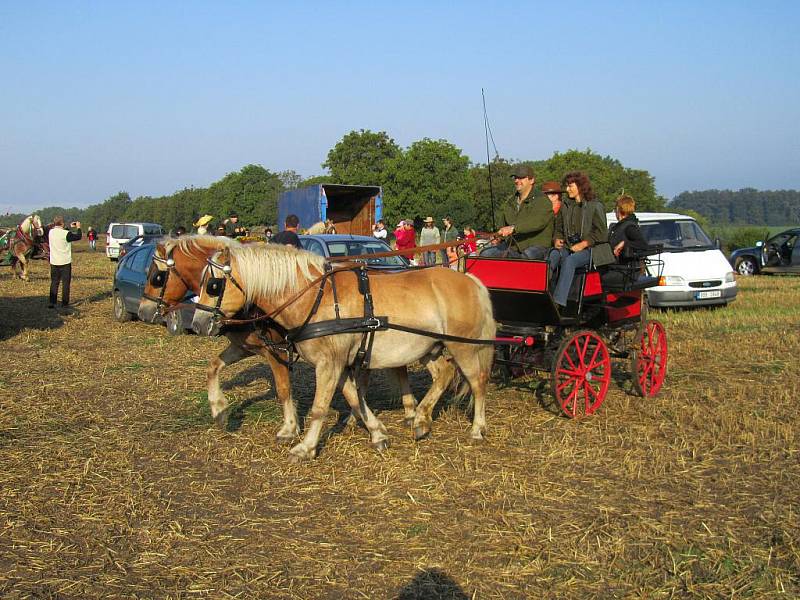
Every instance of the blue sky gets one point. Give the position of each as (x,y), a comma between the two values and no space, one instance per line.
(152,97)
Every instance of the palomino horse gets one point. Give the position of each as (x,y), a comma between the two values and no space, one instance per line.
(178,265)
(291,286)
(21,246)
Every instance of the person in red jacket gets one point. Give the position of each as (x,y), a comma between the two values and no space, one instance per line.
(405,237)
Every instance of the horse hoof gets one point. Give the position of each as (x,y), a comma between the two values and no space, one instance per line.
(477,438)
(381,445)
(221,420)
(283,439)
(420,432)
(408,421)
(298,455)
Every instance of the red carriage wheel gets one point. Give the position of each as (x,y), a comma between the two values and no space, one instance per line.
(649,359)
(581,374)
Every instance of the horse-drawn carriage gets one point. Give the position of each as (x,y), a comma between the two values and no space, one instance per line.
(346,320)
(605,319)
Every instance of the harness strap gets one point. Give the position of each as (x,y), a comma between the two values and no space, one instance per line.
(439,336)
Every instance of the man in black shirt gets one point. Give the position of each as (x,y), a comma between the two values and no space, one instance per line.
(289,234)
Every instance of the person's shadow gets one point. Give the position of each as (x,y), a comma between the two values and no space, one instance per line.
(432,584)
(27,312)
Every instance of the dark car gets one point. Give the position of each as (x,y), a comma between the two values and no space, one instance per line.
(129,282)
(779,254)
(357,246)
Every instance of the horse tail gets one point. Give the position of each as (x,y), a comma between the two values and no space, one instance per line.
(459,386)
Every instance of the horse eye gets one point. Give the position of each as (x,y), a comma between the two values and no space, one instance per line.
(157,279)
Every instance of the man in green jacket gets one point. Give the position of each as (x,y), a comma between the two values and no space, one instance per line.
(529,220)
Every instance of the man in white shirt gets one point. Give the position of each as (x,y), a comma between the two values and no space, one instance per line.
(379,230)
(61,259)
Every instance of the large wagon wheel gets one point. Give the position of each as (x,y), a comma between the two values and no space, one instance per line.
(581,374)
(649,359)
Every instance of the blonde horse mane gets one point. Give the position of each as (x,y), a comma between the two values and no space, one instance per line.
(272,268)
(31,223)
(316,228)
(198,245)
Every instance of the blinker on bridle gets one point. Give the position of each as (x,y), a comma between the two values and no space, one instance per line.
(215,286)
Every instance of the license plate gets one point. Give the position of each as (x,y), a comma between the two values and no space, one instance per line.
(711,294)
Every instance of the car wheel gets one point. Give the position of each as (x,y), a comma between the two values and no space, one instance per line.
(174,322)
(120,313)
(746,266)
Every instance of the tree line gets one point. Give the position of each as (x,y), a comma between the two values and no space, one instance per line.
(747,206)
(429,177)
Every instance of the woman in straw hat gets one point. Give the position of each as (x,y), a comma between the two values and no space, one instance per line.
(202,224)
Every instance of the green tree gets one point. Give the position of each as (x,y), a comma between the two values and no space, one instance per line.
(608,176)
(486,199)
(430,178)
(360,158)
(252,193)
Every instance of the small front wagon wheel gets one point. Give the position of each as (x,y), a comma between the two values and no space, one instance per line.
(649,359)
(581,374)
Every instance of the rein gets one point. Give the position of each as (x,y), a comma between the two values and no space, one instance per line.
(368,324)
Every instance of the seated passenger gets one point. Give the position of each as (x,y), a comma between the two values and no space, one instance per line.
(625,236)
(527,218)
(580,224)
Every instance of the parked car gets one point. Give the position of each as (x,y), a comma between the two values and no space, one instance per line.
(129,282)
(695,272)
(120,233)
(139,240)
(778,254)
(358,246)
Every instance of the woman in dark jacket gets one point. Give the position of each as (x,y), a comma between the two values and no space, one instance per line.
(625,237)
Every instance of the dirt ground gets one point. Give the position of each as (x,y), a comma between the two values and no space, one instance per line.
(114,482)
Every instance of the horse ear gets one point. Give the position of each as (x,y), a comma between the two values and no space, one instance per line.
(225,255)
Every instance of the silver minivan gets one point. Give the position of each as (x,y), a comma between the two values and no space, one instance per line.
(120,233)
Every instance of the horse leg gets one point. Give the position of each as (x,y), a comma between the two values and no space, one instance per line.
(216,398)
(327,375)
(442,372)
(24,262)
(352,393)
(283,390)
(400,375)
(476,367)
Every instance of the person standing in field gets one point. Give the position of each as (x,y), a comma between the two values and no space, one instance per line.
(91,235)
(60,241)
(289,234)
(405,238)
(450,234)
(428,237)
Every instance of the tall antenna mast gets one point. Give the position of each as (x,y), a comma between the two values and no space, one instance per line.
(487,133)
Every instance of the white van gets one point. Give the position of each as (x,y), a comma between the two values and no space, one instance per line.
(121,233)
(695,272)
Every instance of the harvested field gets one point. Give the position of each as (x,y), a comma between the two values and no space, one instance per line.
(114,482)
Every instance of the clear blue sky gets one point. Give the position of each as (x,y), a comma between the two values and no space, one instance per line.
(152,97)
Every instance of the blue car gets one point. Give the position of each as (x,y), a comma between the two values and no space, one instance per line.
(129,282)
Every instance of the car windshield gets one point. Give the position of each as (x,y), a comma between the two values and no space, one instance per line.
(362,249)
(676,235)
(124,232)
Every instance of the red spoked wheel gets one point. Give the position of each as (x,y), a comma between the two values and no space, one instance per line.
(649,359)
(581,374)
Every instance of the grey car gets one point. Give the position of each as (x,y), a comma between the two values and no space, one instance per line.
(357,246)
(129,282)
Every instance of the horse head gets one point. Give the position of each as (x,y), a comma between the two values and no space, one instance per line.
(36,223)
(176,271)
(221,294)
